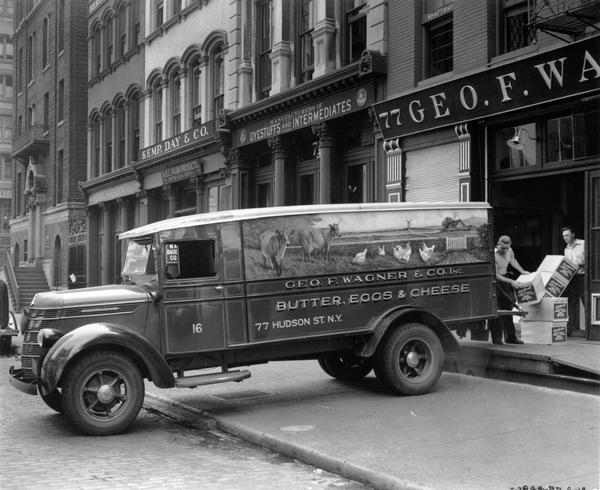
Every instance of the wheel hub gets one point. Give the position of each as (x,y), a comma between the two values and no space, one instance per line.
(412,359)
(106,394)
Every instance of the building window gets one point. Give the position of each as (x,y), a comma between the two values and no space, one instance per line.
(196,95)
(46,42)
(176,104)
(61,101)
(158,115)
(263,195)
(176,7)
(159,8)
(30,57)
(307,52)
(134,117)
(122,31)
(95,147)
(108,141)
(512,157)
(31,115)
(97,52)
(264,51)
(20,71)
(440,50)
(46,110)
(356,29)
(109,40)
(61,25)
(121,135)
(218,72)
(59,176)
(7,86)
(6,47)
(516,32)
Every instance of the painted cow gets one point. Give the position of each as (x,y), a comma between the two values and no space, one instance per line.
(318,239)
(272,247)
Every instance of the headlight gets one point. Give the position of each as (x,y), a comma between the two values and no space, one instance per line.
(46,337)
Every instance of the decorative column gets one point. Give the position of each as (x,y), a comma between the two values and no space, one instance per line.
(92,266)
(39,232)
(106,252)
(464,161)
(142,198)
(324,44)
(170,191)
(205,85)
(280,153)
(326,146)
(197,182)
(185,99)
(239,179)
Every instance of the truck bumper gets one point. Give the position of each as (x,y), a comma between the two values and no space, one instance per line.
(18,381)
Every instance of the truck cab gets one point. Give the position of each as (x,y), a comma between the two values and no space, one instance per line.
(355,287)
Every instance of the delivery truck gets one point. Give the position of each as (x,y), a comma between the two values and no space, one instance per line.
(356,287)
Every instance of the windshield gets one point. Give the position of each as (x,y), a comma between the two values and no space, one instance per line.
(138,264)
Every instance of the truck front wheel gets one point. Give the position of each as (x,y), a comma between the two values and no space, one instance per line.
(103,393)
(345,366)
(410,360)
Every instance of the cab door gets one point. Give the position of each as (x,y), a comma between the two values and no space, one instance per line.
(592,246)
(192,310)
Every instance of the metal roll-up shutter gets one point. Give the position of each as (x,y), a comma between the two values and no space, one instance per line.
(432,173)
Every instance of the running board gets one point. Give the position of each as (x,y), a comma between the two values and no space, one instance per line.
(210,379)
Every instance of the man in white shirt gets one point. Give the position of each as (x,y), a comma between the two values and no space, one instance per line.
(575,252)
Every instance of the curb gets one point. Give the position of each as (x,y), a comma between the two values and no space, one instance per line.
(305,455)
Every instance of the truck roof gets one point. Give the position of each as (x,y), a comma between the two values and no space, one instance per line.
(253,213)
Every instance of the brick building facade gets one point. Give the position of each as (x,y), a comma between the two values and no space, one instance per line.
(49,146)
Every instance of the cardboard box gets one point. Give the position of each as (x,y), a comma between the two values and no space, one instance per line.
(533,290)
(547,310)
(543,332)
(557,271)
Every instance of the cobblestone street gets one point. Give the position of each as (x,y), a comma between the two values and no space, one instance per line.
(41,450)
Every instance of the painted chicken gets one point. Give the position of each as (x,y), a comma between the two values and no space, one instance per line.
(381,250)
(360,257)
(402,253)
(426,252)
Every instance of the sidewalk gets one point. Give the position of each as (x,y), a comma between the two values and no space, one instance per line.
(470,433)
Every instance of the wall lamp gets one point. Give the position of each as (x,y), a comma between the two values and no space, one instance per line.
(515,142)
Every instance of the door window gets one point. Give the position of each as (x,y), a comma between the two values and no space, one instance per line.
(187,260)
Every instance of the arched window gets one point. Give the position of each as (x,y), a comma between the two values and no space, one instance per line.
(218,79)
(109,40)
(134,121)
(122,31)
(96,52)
(157,102)
(95,167)
(176,104)
(121,134)
(108,141)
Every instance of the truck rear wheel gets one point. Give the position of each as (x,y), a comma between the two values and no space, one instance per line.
(410,360)
(345,366)
(103,393)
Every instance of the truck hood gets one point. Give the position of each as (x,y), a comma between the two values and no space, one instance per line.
(101,295)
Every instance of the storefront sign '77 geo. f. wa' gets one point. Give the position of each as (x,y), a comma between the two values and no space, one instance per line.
(552,75)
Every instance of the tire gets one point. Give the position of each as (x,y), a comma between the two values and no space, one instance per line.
(103,393)
(53,400)
(411,359)
(345,366)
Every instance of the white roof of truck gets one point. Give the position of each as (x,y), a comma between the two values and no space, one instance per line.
(253,213)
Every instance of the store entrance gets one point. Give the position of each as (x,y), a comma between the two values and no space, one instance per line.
(532,212)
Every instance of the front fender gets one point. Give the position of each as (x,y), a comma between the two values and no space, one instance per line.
(381,324)
(102,335)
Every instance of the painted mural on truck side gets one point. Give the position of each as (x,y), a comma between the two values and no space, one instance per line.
(318,244)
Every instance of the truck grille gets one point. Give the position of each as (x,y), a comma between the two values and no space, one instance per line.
(30,350)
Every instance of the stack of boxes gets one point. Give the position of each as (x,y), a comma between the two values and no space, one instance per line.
(547,312)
